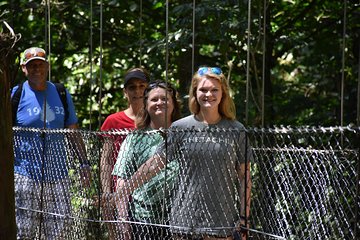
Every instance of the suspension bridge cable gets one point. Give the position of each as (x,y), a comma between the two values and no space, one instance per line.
(100,59)
(193,39)
(358,91)
(140,33)
(343,65)
(48,37)
(167,46)
(248,64)
(91,62)
(263,65)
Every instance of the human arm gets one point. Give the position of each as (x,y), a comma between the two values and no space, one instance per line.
(245,188)
(134,151)
(110,147)
(125,188)
(244,175)
(106,165)
(75,138)
(245,158)
(122,205)
(78,147)
(144,173)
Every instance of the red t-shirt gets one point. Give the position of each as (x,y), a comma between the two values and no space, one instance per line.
(117,120)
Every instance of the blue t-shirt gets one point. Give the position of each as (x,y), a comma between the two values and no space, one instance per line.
(41,157)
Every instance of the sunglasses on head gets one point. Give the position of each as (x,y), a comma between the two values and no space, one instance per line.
(34,52)
(164,85)
(206,70)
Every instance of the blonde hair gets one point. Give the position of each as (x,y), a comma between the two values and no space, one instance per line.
(226,105)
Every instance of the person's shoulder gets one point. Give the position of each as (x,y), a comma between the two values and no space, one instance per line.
(142,135)
(118,120)
(184,122)
(23,86)
(184,119)
(114,115)
(122,115)
(14,89)
(231,124)
(118,116)
(55,87)
(51,85)
(107,123)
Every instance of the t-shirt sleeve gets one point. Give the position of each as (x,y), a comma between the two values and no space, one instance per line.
(107,124)
(244,148)
(123,160)
(237,132)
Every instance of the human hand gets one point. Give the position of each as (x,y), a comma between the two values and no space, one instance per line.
(106,199)
(244,229)
(121,202)
(123,187)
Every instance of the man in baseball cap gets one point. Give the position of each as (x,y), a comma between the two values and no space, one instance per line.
(40,104)
(35,66)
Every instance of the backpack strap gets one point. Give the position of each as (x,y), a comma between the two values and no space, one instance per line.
(62,94)
(15,99)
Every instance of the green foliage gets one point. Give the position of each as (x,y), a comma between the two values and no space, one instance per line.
(92,46)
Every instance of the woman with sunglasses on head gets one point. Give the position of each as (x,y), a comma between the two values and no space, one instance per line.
(161,107)
(212,198)
(213,188)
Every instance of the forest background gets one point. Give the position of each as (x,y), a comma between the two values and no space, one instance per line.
(303,66)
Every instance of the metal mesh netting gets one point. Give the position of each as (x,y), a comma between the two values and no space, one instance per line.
(305,183)
(308,182)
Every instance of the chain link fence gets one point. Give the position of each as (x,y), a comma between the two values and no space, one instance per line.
(305,183)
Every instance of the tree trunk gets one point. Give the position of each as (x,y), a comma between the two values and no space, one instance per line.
(7,200)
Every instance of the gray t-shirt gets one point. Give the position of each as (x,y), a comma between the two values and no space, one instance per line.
(206,200)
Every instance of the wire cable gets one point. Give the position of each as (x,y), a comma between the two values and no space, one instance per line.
(193,39)
(140,33)
(101,62)
(248,64)
(343,65)
(263,65)
(91,62)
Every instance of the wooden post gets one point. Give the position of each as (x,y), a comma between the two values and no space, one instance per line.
(7,200)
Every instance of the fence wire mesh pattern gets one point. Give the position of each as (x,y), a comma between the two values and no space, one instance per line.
(187,184)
